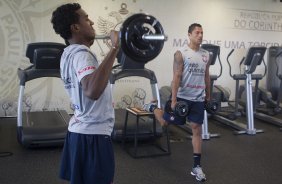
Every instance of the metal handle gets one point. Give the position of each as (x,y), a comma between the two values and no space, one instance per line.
(154,37)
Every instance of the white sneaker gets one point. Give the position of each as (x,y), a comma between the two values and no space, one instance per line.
(149,107)
(198,173)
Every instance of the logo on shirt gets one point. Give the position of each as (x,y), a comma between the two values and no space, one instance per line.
(74,106)
(67,80)
(196,86)
(204,58)
(195,68)
(86,69)
(68,83)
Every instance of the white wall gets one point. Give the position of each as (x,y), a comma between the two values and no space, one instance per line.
(228,23)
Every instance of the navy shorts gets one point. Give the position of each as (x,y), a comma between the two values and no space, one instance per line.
(196,111)
(87,159)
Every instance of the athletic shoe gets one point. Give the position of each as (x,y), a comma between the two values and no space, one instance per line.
(198,173)
(149,107)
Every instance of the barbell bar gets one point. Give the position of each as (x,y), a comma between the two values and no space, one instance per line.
(144,37)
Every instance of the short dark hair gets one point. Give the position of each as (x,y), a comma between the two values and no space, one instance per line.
(193,26)
(63,17)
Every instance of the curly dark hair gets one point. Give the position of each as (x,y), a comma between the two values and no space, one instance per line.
(63,17)
(192,27)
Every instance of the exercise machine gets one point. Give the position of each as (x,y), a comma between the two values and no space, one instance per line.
(121,72)
(268,111)
(232,111)
(251,61)
(41,128)
(142,39)
(273,117)
(214,52)
(274,64)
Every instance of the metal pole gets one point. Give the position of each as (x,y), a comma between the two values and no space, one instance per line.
(205,133)
(154,37)
(144,37)
(250,111)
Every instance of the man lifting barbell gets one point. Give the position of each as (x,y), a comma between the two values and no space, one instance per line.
(191,84)
(88,155)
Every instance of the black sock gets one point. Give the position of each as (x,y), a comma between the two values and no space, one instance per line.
(197,159)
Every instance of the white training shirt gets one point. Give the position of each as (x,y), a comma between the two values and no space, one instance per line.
(90,117)
(192,86)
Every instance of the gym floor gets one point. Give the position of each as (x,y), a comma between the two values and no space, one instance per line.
(229,159)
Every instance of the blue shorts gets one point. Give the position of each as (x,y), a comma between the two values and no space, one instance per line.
(196,111)
(87,159)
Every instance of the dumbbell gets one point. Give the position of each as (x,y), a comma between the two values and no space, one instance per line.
(211,106)
(178,115)
(181,108)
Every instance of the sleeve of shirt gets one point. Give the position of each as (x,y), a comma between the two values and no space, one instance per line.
(84,63)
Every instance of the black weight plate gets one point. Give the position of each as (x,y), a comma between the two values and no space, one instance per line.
(132,44)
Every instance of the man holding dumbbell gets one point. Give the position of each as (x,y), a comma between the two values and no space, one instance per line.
(191,84)
(88,155)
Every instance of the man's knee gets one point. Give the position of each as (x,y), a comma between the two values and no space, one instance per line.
(196,128)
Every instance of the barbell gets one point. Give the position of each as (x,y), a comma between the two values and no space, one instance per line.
(141,37)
